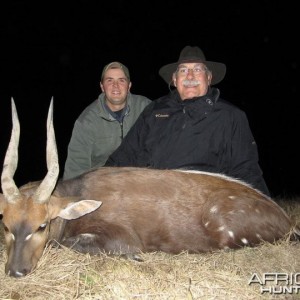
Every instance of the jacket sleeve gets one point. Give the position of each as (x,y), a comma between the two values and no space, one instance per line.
(129,153)
(79,151)
(244,155)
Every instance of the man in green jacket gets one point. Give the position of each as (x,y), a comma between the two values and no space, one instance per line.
(103,124)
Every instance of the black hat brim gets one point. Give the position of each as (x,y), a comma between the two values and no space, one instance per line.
(218,71)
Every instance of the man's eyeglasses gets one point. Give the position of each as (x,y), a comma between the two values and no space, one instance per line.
(197,70)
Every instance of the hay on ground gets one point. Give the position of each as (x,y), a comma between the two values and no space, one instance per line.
(64,274)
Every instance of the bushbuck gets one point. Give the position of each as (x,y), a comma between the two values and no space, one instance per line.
(142,210)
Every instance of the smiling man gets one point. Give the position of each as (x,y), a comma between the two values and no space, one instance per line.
(192,127)
(102,125)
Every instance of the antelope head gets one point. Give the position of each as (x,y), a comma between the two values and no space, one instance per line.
(26,213)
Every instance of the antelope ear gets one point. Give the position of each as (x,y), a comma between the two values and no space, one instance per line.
(71,207)
(78,209)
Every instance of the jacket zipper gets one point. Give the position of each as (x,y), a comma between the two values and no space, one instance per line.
(122,132)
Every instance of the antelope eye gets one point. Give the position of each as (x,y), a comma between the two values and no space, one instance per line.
(5,228)
(42,227)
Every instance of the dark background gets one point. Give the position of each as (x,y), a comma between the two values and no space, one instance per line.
(59,49)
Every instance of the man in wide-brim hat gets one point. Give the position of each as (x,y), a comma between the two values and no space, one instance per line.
(192,65)
(193,55)
(192,127)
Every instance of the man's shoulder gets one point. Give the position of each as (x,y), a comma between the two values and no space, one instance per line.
(138,102)
(140,98)
(229,105)
(89,111)
(232,110)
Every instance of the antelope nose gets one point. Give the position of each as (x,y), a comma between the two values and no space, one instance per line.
(17,274)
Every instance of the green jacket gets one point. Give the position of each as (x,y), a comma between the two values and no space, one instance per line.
(96,134)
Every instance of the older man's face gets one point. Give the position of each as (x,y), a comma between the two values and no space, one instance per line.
(191,80)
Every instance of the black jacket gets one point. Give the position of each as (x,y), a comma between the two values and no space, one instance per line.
(204,133)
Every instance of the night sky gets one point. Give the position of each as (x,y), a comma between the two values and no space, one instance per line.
(59,50)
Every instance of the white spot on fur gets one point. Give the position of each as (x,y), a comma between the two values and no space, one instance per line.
(242,211)
(206,224)
(28,237)
(258,236)
(244,241)
(257,210)
(232,197)
(221,228)
(214,209)
(87,236)
(230,233)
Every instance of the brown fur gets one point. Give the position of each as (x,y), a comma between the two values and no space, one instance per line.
(147,210)
(165,210)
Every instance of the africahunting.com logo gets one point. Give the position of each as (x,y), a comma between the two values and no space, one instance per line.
(277,283)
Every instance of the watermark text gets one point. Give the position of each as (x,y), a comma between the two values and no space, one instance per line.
(277,283)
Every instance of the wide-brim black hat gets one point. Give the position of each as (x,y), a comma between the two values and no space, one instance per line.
(193,54)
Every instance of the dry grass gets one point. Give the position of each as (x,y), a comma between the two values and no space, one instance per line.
(64,274)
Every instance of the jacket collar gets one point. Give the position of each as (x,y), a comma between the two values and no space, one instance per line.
(105,112)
